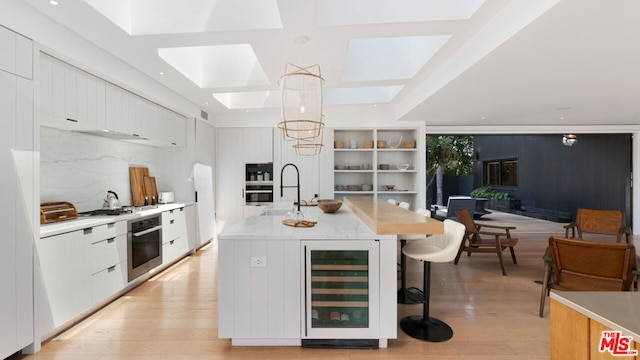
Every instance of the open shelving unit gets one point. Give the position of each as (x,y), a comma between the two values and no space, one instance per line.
(369,160)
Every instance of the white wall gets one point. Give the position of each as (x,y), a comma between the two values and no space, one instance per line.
(80,168)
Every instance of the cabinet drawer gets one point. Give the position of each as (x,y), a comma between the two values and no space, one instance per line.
(174,225)
(108,282)
(108,252)
(101,232)
(173,249)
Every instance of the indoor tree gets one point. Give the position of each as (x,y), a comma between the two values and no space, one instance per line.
(448,155)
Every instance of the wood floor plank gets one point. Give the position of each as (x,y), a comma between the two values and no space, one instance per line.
(174,315)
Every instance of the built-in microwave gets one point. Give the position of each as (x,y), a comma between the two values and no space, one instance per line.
(258,184)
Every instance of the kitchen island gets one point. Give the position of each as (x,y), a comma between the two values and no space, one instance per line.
(579,318)
(332,284)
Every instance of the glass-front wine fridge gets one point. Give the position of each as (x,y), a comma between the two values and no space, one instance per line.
(341,289)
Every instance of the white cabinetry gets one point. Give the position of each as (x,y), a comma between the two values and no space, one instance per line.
(81,268)
(370,166)
(311,182)
(175,241)
(236,147)
(16,55)
(18,180)
(258,145)
(108,261)
(260,302)
(70,98)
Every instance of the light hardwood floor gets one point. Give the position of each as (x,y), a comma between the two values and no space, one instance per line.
(174,314)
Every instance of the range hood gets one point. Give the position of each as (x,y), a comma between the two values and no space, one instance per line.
(112,135)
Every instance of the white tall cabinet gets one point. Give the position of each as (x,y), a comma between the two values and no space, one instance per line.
(19,162)
(236,147)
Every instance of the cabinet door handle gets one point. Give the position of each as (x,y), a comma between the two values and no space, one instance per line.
(87,230)
(72,120)
(109,241)
(110,225)
(171,242)
(172,221)
(112,268)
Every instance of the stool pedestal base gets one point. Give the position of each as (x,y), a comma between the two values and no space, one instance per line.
(432,330)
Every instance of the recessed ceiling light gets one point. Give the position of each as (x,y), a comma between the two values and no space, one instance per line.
(54,2)
(301,40)
(206,103)
(161,73)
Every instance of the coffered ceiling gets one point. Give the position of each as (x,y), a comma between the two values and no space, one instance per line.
(445,62)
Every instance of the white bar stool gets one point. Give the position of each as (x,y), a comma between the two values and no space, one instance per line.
(410,295)
(435,248)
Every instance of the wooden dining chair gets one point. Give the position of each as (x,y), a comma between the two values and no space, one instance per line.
(485,238)
(600,222)
(580,265)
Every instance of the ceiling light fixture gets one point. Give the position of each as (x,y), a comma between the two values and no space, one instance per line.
(569,139)
(54,2)
(302,108)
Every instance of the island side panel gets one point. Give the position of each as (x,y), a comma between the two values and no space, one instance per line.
(225,288)
(241,289)
(259,302)
(388,288)
(292,290)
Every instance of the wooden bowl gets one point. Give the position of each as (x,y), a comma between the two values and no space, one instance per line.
(329,205)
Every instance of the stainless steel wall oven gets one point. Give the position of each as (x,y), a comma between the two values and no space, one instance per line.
(258,184)
(144,245)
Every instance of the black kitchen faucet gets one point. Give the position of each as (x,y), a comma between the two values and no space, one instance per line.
(290,186)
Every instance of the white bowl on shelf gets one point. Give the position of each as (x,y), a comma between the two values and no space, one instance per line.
(403,166)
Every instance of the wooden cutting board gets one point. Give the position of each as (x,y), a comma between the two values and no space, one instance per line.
(150,190)
(136,179)
(299,223)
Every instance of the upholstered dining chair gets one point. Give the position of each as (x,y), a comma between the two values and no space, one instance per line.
(392,201)
(485,238)
(404,205)
(439,249)
(580,265)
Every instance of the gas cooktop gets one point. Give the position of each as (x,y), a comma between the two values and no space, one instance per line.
(121,211)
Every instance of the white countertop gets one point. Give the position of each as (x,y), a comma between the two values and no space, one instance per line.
(617,310)
(84,222)
(342,224)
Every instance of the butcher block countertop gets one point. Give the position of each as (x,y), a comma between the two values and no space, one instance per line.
(385,218)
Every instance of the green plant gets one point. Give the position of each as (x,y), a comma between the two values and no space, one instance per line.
(481,192)
(489,193)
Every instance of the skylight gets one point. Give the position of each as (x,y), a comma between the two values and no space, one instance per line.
(138,17)
(357,12)
(217,66)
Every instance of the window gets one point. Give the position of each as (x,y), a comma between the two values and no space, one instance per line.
(501,172)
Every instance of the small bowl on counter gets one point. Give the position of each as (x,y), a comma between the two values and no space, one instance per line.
(329,205)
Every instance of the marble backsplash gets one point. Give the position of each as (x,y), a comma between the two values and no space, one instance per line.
(80,168)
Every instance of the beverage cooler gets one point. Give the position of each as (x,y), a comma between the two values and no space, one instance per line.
(341,294)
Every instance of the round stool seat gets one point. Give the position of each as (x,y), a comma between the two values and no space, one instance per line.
(429,249)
